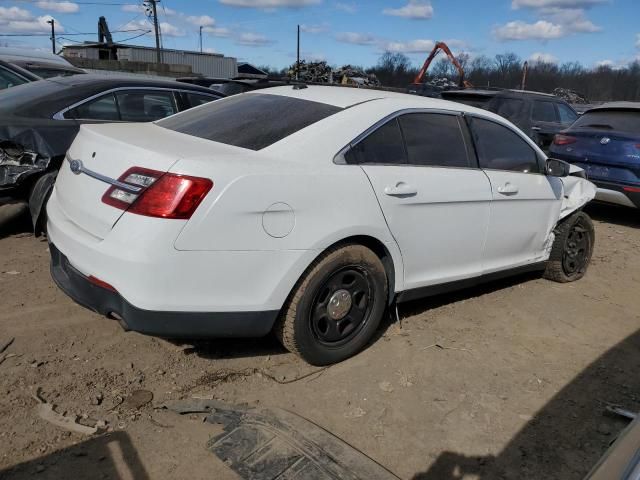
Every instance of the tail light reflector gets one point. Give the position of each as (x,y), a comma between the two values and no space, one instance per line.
(101,283)
(632,189)
(158,194)
(564,140)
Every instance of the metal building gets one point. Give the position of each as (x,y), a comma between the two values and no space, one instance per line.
(207,64)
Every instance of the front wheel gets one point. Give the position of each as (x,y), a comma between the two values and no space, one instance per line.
(336,307)
(572,249)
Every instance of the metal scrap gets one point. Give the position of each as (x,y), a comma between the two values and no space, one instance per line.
(321,72)
(46,412)
(571,96)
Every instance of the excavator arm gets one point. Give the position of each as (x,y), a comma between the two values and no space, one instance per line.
(434,53)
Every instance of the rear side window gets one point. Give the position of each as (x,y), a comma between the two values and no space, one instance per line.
(509,108)
(197,99)
(567,115)
(102,108)
(544,112)
(499,148)
(252,121)
(383,146)
(615,120)
(9,79)
(145,106)
(434,140)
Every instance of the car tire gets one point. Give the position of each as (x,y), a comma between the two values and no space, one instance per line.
(336,307)
(572,249)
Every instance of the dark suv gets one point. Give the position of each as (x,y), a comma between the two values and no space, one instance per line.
(541,116)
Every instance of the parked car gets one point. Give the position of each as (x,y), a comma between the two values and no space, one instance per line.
(39,120)
(622,460)
(12,75)
(605,142)
(234,86)
(539,115)
(41,64)
(306,211)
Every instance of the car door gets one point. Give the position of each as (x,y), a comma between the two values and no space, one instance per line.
(434,199)
(525,202)
(545,122)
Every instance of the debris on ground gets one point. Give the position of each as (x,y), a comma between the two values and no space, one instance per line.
(138,399)
(6,344)
(571,96)
(386,387)
(46,412)
(272,443)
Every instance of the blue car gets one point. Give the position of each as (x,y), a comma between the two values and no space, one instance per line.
(605,142)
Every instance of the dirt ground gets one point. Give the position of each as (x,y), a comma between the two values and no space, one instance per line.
(516,387)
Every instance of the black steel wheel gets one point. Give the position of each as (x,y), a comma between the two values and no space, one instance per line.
(572,249)
(336,307)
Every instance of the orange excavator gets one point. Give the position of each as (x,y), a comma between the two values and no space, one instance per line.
(462,83)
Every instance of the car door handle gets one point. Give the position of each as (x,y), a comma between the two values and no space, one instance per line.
(401,189)
(508,189)
(536,129)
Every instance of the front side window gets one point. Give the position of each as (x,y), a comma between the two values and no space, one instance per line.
(567,115)
(544,111)
(383,146)
(145,106)
(101,108)
(500,148)
(434,140)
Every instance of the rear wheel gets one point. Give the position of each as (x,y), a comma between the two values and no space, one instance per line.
(572,249)
(336,306)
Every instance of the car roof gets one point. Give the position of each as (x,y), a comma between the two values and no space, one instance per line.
(346,97)
(115,81)
(629,106)
(10,54)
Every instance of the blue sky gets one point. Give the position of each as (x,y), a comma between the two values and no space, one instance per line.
(350,31)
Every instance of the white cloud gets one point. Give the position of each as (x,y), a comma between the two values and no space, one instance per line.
(415,9)
(540,57)
(253,40)
(606,63)
(573,20)
(217,31)
(518,30)
(412,46)
(319,28)
(60,7)
(347,7)
(170,30)
(356,38)
(516,4)
(270,3)
(201,20)
(18,20)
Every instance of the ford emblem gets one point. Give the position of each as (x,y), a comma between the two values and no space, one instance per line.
(605,140)
(76,166)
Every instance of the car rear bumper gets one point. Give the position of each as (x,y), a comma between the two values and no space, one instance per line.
(158,323)
(615,193)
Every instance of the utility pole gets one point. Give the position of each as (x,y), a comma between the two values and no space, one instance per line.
(52,22)
(200,38)
(157,29)
(298,56)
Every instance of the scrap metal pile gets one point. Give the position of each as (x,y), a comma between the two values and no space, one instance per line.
(571,96)
(321,72)
(16,161)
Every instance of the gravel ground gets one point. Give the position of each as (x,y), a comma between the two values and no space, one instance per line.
(509,380)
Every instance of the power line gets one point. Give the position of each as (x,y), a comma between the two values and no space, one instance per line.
(79,3)
(66,34)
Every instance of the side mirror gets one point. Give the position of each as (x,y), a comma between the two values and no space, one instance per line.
(557,168)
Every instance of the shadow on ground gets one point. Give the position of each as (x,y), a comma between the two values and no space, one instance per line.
(623,216)
(110,456)
(567,437)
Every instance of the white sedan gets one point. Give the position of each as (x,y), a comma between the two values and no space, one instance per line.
(306,211)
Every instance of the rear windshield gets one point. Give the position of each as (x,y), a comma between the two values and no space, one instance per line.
(619,121)
(252,121)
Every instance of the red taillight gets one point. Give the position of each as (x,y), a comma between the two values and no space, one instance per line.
(564,140)
(164,195)
(100,283)
(632,189)
(638,145)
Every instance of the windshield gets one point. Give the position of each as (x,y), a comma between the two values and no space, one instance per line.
(252,121)
(616,120)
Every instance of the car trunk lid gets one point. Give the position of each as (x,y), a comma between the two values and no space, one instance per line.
(102,154)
